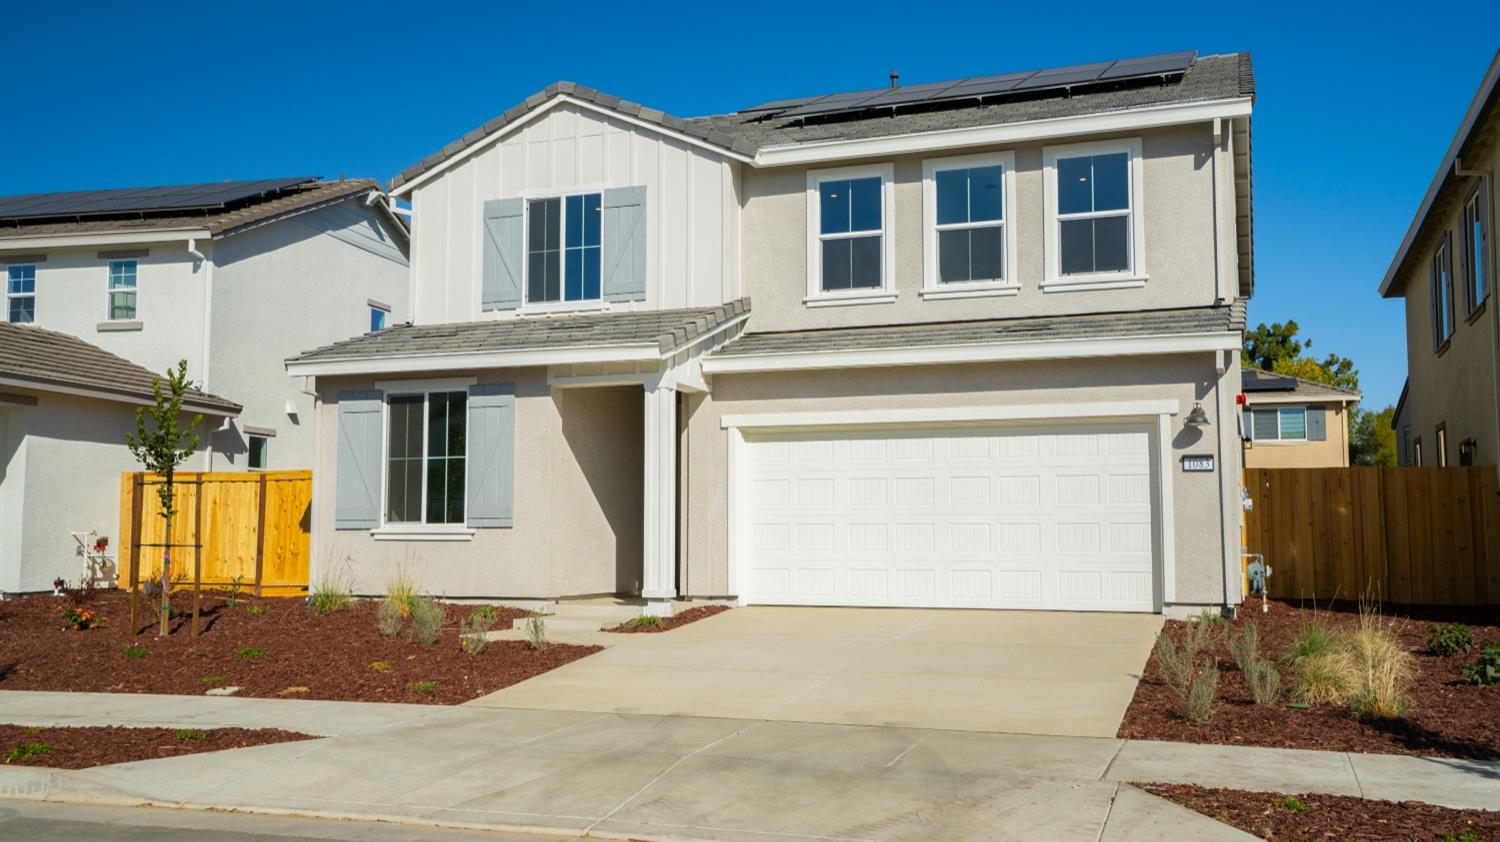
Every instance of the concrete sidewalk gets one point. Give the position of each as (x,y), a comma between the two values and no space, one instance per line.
(145,710)
(678,777)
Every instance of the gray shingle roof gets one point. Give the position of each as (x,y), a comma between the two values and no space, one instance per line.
(1255,381)
(666,329)
(216,222)
(1217,319)
(1210,78)
(45,360)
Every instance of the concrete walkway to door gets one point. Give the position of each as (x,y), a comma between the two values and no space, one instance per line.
(1022,672)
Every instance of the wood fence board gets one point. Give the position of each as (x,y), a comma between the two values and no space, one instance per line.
(1406,535)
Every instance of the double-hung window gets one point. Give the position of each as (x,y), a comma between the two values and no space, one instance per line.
(563,249)
(426,455)
(968,246)
(20,294)
(1476,241)
(849,246)
(1094,235)
(1442,292)
(122,290)
(1279,424)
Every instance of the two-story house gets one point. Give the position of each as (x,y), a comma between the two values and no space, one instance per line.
(1444,269)
(232,277)
(991,359)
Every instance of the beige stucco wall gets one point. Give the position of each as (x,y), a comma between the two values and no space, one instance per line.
(1456,385)
(577,506)
(1332,452)
(1177,212)
(1198,533)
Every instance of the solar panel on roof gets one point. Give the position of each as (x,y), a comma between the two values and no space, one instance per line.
(140,199)
(980,86)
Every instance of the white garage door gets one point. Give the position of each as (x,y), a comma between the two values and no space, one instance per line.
(1050,518)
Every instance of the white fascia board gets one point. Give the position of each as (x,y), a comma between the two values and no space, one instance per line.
(482,360)
(104,238)
(1252,399)
(954,415)
(188,404)
(406,189)
(1055,349)
(1006,133)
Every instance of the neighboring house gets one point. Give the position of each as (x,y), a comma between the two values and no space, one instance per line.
(1445,270)
(232,277)
(65,407)
(1294,423)
(990,319)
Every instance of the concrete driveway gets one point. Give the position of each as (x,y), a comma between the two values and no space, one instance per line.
(1065,674)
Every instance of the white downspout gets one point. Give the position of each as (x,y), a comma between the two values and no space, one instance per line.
(208,306)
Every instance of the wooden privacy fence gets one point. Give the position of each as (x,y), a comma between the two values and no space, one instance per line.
(1422,536)
(249,525)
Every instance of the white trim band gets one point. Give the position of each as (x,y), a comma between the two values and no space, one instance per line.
(954,415)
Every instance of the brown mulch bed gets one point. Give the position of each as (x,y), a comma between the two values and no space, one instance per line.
(1448,718)
(692,615)
(1267,815)
(80,748)
(340,656)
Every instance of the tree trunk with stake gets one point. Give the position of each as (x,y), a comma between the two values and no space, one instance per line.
(161,447)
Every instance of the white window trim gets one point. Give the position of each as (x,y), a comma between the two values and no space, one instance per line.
(1053,280)
(1278,440)
(886,293)
(934,289)
(406,530)
(9,295)
(109,291)
(562,305)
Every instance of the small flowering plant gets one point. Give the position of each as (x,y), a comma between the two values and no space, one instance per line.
(80,619)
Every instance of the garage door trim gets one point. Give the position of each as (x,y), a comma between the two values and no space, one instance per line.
(739,474)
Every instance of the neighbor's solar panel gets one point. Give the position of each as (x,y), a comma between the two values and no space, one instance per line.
(981,86)
(140,199)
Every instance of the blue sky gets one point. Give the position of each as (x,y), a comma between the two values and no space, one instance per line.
(1357,102)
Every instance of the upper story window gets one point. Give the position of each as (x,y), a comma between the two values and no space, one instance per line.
(20,294)
(1279,424)
(1094,236)
(849,242)
(968,246)
(426,455)
(563,256)
(379,314)
(1442,292)
(1478,271)
(122,290)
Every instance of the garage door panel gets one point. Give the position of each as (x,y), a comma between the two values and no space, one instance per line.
(1023,518)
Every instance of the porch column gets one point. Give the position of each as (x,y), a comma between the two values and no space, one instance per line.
(659,501)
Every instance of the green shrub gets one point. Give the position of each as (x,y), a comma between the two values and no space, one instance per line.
(1265,682)
(1293,803)
(645,621)
(1313,639)
(536,632)
(380,666)
(187,735)
(426,620)
(389,618)
(1245,646)
(486,613)
(1485,669)
(249,653)
(232,598)
(213,680)
(423,686)
(254,609)
(1200,697)
(1450,639)
(332,593)
(27,752)
(1211,618)
(471,635)
(1468,834)
(135,651)
(401,594)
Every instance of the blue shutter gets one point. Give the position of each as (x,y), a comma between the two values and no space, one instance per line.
(624,272)
(501,288)
(357,496)
(492,455)
(1317,424)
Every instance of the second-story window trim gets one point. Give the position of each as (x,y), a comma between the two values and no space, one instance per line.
(1479,271)
(1103,195)
(842,248)
(954,217)
(20,293)
(1441,277)
(121,305)
(564,251)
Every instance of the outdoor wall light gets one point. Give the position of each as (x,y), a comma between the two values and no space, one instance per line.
(1196,417)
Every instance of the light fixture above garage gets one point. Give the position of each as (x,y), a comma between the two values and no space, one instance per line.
(1196,416)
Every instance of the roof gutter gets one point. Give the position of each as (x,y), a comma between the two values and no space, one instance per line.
(1156,116)
(101,238)
(1449,166)
(188,404)
(521,358)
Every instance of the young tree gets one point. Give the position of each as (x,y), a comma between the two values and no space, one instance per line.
(160,448)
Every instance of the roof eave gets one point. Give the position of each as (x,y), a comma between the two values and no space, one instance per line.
(225,409)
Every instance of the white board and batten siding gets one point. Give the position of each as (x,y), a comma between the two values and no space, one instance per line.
(1042,518)
(692,248)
